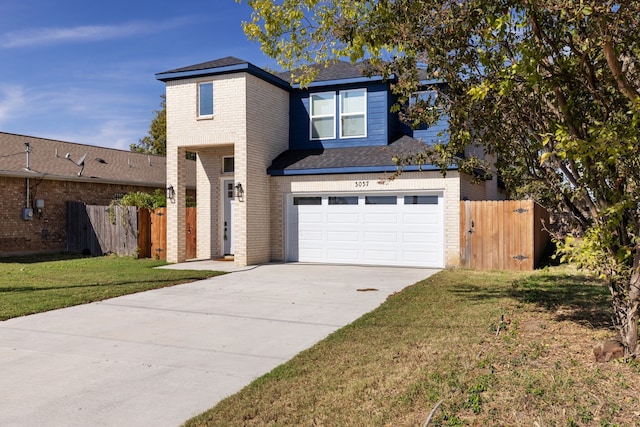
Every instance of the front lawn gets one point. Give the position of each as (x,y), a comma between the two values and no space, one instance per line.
(40,283)
(495,348)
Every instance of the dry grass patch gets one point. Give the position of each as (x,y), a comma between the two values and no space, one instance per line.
(496,348)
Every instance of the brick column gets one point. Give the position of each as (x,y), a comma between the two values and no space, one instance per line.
(176,208)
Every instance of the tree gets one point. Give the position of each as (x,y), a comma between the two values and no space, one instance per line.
(551,88)
(156,140)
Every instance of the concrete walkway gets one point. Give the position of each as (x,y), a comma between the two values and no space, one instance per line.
(160,357)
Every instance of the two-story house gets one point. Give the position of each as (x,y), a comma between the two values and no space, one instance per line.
(286,173)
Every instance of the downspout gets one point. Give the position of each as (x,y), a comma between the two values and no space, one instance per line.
(28,150)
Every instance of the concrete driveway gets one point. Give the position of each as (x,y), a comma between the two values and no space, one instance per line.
(160,357)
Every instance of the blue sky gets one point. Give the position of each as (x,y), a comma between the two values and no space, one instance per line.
(84,71)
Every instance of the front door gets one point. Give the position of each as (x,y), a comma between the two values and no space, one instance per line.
(227,225)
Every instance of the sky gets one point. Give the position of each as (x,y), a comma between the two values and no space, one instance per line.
(84,71)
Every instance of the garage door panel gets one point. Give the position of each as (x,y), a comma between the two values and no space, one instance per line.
(310,235)
(343,218)
(421,237)
(310,218)
(376,234)
(380,236)
(342,255)
(342,236)
(421,218)
(381,255)
(381,218)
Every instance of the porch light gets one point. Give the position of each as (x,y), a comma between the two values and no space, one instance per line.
(239,191)
(171,193)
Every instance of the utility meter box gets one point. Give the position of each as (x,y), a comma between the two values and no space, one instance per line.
(27,214)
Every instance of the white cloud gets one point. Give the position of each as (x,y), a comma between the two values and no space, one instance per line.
(84,33)
(12,98)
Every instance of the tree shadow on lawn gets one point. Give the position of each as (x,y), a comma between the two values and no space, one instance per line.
(575,298)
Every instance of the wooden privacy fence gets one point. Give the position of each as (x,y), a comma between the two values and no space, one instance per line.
(91,231)
(129,231)
(502,235)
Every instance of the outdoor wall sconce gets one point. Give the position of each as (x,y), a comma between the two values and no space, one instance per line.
(171,193)
(239,191)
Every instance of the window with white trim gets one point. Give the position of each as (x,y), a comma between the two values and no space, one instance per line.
(353,113)
(205,100)
(323,115)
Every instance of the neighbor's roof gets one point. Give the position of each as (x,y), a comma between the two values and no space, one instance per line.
(348,159)
(59,160)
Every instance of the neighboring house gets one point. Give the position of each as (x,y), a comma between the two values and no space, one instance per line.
(38,176)
(286,173)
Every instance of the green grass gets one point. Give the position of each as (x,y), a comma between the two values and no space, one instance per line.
(40,283)
(497,348)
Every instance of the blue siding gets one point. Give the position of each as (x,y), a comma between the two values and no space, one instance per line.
(377,118)
(436,133)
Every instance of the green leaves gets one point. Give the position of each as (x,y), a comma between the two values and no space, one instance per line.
(549,88)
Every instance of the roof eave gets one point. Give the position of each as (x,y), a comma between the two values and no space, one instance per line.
(355,169)
(245,67)
(84,179)
(335,82)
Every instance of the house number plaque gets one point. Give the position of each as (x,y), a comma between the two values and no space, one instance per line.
(361,184)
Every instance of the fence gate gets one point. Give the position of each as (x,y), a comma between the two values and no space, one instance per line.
(158,233)
(502,235)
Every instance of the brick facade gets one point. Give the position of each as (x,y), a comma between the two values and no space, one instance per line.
(250,122)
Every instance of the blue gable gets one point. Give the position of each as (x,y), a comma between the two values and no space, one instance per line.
(377,117)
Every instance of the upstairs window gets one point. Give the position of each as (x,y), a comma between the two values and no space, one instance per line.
(353,113)
(205,100)
(323,115)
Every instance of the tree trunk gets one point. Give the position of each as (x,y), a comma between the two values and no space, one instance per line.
(626,308)
(630,326)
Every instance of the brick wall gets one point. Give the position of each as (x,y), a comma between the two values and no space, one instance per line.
(267,136)
(46,231)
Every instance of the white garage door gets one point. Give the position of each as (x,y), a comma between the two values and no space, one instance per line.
(375,229)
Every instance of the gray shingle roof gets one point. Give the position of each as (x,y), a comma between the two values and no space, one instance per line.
(48,159)
(222,62)
(337,71)
(347,157)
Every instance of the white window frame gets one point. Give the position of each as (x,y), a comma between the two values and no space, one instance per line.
(199,98)
(363,113)
(313,116)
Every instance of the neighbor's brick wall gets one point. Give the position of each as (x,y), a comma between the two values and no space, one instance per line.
(408,181)
(47,232)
